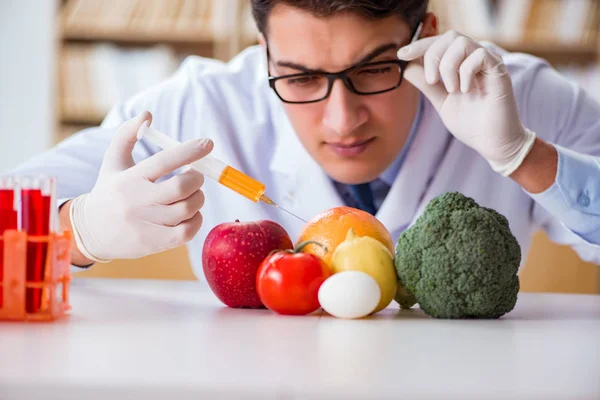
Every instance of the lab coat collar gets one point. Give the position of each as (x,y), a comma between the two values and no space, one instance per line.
(389,175)
(423,158)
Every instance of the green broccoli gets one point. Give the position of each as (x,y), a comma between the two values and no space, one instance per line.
(459,260)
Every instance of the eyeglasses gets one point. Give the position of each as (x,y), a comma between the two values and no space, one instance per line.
(368,78)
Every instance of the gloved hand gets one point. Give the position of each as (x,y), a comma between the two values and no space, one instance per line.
(474,97)
(128,214)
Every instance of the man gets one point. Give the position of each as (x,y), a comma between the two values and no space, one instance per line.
(402,124)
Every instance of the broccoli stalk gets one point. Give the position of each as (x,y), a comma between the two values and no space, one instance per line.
(405,299)
(459,260)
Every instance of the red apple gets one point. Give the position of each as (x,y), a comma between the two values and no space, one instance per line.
(231,255)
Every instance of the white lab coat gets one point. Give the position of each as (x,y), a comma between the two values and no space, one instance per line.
(232,104)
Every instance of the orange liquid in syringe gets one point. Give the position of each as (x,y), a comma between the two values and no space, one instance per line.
(242,183)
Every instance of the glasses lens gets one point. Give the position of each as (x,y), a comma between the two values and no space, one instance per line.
(302,88)
(376,77)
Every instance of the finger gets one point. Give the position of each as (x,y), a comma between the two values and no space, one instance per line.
(417,49)
(176,213)
(118,155)
(169,160)
(436,93)
(186,230)
(433,56)
(470,68)
(495,73)
(489,71)
(452,59)
(179,187)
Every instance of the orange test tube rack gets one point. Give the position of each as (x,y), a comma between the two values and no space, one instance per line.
(54,286)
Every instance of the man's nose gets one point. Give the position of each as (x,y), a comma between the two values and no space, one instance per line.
(344,112)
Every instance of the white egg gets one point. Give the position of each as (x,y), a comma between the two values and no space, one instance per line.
(349,294)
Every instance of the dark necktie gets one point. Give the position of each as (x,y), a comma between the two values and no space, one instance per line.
(363,196)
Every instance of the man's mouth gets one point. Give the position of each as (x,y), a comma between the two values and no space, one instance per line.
(350,148)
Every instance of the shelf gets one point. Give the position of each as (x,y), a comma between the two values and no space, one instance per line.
(590,50)
(200,37)
(81,117)
(557,53)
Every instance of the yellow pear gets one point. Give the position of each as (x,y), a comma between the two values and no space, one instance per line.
(366,254)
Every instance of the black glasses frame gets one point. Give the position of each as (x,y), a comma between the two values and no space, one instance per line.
(343,75)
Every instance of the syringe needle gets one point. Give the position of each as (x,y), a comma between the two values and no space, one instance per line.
(289,212)
(267,200)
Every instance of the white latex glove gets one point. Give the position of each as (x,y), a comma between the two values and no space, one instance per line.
(472,92)
(128,214)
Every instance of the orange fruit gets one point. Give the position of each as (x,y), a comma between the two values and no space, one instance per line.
(330,227)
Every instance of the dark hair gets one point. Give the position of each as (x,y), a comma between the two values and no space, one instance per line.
(411,11)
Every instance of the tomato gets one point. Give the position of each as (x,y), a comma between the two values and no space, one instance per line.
(288,281)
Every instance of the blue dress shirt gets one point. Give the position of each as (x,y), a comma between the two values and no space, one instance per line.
(574,198)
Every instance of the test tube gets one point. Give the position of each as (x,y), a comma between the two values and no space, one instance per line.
(211,167)
(36,197)
(9,207)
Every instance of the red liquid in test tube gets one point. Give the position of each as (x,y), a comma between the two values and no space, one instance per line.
(8,219)
(36,197)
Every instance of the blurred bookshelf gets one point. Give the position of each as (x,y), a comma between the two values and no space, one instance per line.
(562,27)
(110,50)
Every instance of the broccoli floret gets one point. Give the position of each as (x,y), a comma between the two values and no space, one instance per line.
(459,260)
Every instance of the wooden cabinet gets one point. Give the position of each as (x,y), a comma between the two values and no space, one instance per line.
(554,268)
(172,264)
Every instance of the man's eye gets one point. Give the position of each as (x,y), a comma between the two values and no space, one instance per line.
(302,80)
(375,71)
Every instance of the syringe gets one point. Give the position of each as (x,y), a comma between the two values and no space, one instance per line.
(215,169)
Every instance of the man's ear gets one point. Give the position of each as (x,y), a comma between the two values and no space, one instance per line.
(262,41)
(430,25)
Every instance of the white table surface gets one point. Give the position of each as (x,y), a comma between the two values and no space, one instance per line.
(173,339)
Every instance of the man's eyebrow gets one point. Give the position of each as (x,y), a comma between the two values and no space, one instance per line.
(376,52)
